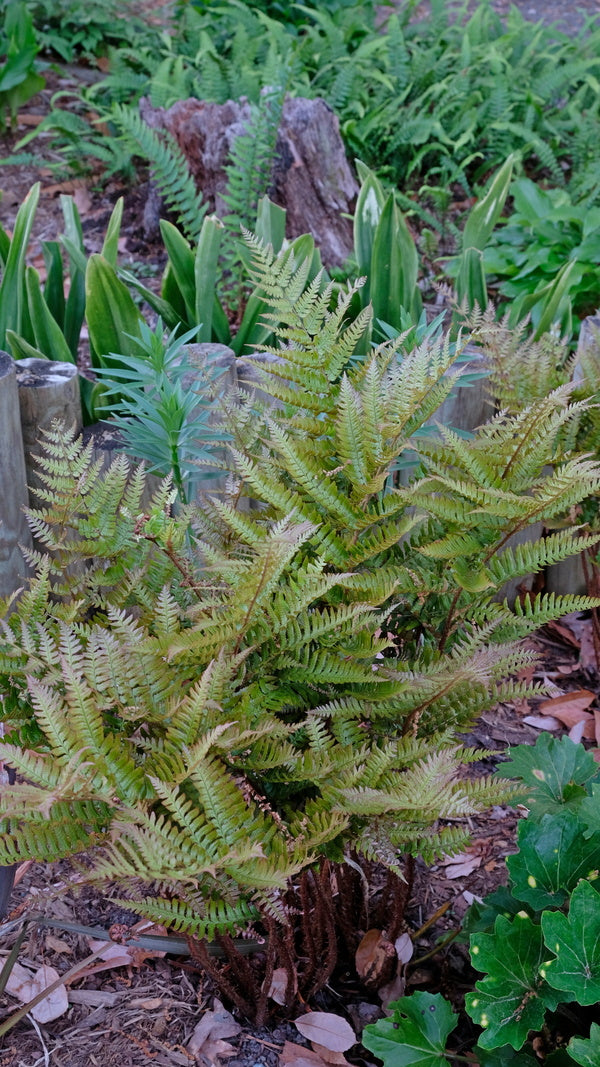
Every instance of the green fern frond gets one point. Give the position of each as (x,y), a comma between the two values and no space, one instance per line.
(169,168)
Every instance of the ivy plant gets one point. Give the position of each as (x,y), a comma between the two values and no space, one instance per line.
(537,942)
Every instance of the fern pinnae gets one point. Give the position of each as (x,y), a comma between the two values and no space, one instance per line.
(169,168)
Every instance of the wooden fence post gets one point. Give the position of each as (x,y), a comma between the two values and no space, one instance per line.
(48,390)
(14,530)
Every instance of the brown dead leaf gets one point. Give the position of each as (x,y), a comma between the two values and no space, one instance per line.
(278,989)
(208,1041)
(570,710)
(393,990)
(328,1056)
(293,1055)
(25,986)
(326,1029)
(56,944)
(461,865)
(568,703)
(542,722)
(562,633)
(82,198)
(375,959)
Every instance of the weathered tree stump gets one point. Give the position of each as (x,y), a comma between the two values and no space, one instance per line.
(14,531)
(311,177)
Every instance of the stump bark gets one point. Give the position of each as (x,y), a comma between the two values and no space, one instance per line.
(311,177)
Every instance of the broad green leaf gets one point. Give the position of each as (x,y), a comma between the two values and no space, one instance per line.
(470,280)
(482,915)
(586,1051)
(270,224)
(162,307)
(54,287)
(589,811)
(557,773)
(552,857)
(367,214)
(488,209)
(394,267)
(512,999)
(416,1033)
(48,335)
(554,304)
(182,266)
(206,266)
(12,289)
(110,248)
(111,313)
(575,941)
(21,349)
(503,1057)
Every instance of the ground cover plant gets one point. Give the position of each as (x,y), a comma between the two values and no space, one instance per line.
(536,941)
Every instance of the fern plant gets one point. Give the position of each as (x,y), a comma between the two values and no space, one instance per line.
(228,700)
(169,167)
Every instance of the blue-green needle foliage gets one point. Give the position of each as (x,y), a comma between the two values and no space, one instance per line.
(163,404)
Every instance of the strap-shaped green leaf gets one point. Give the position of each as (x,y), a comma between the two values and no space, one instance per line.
(575,941)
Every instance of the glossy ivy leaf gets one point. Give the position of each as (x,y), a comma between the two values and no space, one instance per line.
(504,1057)
(512,999)
(415,1034)
(552,858)
(575,941)
(590,812)
(482,914)
(556,772)
(586,1051)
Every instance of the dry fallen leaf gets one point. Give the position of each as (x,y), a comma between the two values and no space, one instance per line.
(336,1058)
(327,1029)
(208,1041)
(404,948)
(375,959)
(56,944)
(293,1055)
(568,705)
(279,985)
(25,986)
(461,865)
(542,722)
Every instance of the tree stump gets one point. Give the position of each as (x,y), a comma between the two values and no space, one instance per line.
(311,177)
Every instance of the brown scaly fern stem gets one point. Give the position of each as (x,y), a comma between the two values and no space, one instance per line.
(328,915)
(591,573)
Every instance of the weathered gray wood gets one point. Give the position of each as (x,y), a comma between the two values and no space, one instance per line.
(568,576)
(48,391)
(470,405)
(14,530)
(223,359)
(310,178)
